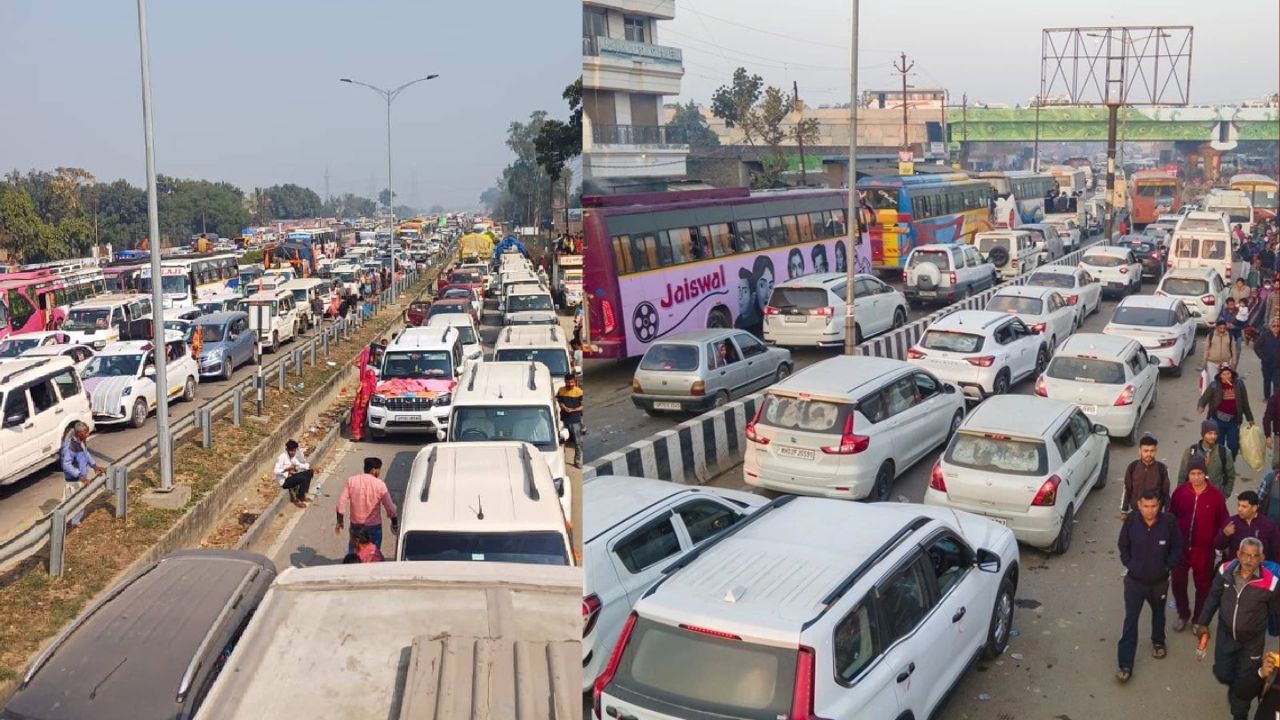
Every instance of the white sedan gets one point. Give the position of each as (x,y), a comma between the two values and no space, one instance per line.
(1111,378)
(1078,288)
(1116,267)
(1164,326)
(1042,309)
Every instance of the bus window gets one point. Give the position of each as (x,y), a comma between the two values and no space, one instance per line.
(791,229)
(622,254)
(806,228)
(644,252)
(20,310)
(679,245)
(837,223)
(819,225)
(744,240)
(760,233)
(721,240)
(700,242)
(664,248)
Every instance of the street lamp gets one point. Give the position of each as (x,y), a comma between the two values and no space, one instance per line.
(389,96)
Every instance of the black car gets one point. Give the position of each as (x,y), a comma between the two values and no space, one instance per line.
(1149,252)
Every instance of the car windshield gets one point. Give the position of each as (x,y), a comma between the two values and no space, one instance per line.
(1184,286)
(1086,370)
(791,298)
(1016,304)
(80,319)
(13,347)
(1143,316)
(937,258)
(456,293)
(951,341)
(527,424)
(463,278)
(807,415)
(1142,246)
(670,357)
(1157,231)
(1201,225)
(210,333)
(113,366)
(529,547)
(416,364)
(1053,280)
(556,360)
(990,452)
(713,676)
(1104,260)
(441,308)
(181,326)
(520,303)
(345,276)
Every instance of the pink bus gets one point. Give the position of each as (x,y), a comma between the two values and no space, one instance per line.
(36,300)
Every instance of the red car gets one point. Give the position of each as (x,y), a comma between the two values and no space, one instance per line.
(458,277)
(416,315)
(452,305)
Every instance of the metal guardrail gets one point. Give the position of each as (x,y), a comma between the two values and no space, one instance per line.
(51,529)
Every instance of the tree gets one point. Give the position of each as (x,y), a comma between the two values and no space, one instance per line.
(559,142)
(764,114)
(120,211)
(689,122)
(258,203)
(384,197)
(292,202)
(23,235)
(733,103)
(349,205)
(404,211)
(436,210)
(189,207)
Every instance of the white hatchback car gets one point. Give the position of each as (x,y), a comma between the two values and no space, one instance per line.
(982,352)
(847,426)
(1111,378)
(121,383)
(633,528)
(809,310)
(1078,288)
(1201,289)
(1115,267)
(1026,462)
(1164,326)
(1044,310)
(817,608)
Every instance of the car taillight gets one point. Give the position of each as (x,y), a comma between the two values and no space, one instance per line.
(752,436)
(983,361)
(611,668)
(1038,328)
(850,444)
(610,319)
(1124,270)
(914,354)
(936,482)
(953,279)
(635,385)
(590,613)
(904,277)
(1073,299)
(825,311)
(1168,342)
(1209,300)
(1155,256)
(1041,389)
(802,695)
(1047,495)
(1126,396)
(770,310)
(698,388)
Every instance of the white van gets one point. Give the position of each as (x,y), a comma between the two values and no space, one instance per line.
(102,320)
(304,291)
(1235,204)
(1013,252)
(432,355)
(1203,239)
(273,316)
(42,399)
(512,401)
(482,502)
(545,345)
(528,305)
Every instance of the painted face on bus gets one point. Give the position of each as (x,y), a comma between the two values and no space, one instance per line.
(841,262)
(795,264)
(764,286)
(745,307)
(820,259)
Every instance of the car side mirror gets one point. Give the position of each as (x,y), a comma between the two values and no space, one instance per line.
(1153,360)
(949,389)
(559,485)
(564,434)
(1099,429)
(149,371)
(988,561)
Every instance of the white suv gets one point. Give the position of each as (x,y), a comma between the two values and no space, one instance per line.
(946,272)
(121,382)
(982,352)
(817,608)
(633,529)
(1164,326)
(1201,289)
(42,399)
(1115,267)
(1013,252)
(809,310)
(847,426)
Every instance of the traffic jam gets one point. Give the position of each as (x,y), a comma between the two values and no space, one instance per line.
(704,599)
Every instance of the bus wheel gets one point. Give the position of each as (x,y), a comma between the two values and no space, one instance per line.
(719,319)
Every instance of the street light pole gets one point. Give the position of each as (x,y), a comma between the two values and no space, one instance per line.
(157,294)
(851,215)
(389,96)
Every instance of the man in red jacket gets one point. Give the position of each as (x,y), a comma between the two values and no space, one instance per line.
(1201,511)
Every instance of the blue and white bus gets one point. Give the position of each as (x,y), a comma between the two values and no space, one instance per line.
(1019,196)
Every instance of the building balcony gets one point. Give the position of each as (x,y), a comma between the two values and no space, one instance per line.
(601,46)
(627,66)
(661,9)
(637,135)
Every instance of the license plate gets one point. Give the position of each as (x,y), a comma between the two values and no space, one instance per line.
(666,406)
(1002,521)
(1089,409)
(928,293)
(794,318)
(406,418)
(794,452)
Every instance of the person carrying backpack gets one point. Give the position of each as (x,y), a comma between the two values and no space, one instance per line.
(1219,467)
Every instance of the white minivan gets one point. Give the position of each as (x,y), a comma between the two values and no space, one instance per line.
(1203,239)
(273,316)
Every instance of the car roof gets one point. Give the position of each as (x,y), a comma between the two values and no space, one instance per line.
(52,350)
(611,499)
(506,383)
(481,487)
(220,318)
(1110,250)
(697,337)
(969,320)
(422,337)
(1097,344)
(14,369)
(1031,291)
(531,336)
(451,301)
(842,375)
(819,280)
(1149,301)
(449,320)
(1021,415)
(110,299)
(538,290)
(1203,273)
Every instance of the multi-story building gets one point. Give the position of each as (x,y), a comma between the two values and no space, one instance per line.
(625,74)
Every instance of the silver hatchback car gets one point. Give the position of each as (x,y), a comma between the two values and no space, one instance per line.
(703,369)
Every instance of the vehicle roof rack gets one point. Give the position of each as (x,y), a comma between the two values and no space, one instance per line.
(471,384)
(533,375)
(526,464)
(431,469)
(866,565)
(553,333)
(9,377)
(698,551)
(508,333)
(219,622)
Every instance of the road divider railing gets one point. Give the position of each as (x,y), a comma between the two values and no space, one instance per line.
(51,529)
(706,446)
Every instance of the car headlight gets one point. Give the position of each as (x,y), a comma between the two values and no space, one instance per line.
(212,355)
(127,391)
(378,400)
(444,398)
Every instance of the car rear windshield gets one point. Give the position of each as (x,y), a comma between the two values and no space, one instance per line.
(933,257)
(1142,246)
(1052,279)
(951,341)
(785,298)
(1103,260)
(1076,369)
(991,452)
(1146,317)
(531,547)
(523,303)
(818,416)
(1184,286)
(1201,225)
(1016,304)
(672,358)
(709,674)
(987,242)
(556,360)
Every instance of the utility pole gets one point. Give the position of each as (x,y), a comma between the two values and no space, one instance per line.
(964,121)
(851,215)
(946,141)
(326,184)
(795,106)
(904,69)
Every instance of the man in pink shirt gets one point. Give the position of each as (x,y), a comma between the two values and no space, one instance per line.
(366,496)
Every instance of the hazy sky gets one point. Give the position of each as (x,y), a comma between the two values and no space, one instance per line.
(989,49)
(247,91)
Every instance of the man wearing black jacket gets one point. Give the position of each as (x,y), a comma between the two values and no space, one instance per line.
(1267,348)
(1245,593)
(1261,685)
(1150,546)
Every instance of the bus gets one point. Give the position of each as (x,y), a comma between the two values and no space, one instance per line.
(1071,180)
(121,276)
(302,249)
(37,300)
(903,212)
(1153,193)
(1019,196)
(187,279)
(668,262)
(1261,189)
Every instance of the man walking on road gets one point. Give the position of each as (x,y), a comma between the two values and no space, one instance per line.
(1219,348)
(1150,547)
(1145,473)
(366,496)
(1245,593)
(569,398)
(1267,348)
(293,473)
(1201,511)
(1217,461)
(1247,523)
(1226,400)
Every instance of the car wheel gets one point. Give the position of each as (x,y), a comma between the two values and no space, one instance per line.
(884,483)
(275,341)
(1001,627)
(722,399)
(783,371)
(899,318)
(1001,384)
(139,415)
(227,369)
(1062,543)
(1101,482)
(956,421)
(1042,360)
(189,390)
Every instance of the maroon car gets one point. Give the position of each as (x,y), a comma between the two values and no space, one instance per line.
(452,305)
(416,315)
(459,277)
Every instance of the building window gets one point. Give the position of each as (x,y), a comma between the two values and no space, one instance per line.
(635,28)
